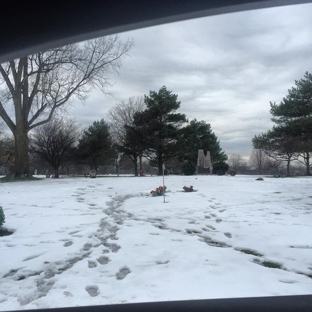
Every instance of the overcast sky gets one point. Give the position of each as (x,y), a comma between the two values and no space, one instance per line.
(225,69)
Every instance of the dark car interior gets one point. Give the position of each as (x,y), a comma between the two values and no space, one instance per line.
(31,26)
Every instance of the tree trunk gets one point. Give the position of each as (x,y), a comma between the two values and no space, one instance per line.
(56,173)
(21,165)
(117,169)
(288,168)
(160,165)
(135,161)
(308,163)
(141,164)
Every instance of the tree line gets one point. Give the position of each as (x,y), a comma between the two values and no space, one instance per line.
(148,128)
(36,90)
(291,137)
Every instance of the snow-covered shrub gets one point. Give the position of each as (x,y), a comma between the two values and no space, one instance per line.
(2,218)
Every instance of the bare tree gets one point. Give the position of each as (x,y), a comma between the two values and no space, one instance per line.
(120,117)
(6,149)
(235,161)
(259,160)
(274,165)
(305,155)
(40,84)
(53,140)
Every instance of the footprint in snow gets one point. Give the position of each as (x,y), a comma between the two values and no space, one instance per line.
(92,264)
(163,262)
(93,290)
(112,247)
(87,246)
(103,260)
(67,244)
(123,272)
(193,231)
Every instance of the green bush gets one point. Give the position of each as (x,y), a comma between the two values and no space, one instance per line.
(188,168)
(2,218)
(220,167)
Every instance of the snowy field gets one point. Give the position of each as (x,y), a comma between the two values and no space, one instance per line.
(82,241)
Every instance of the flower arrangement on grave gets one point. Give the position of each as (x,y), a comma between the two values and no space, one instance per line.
(159,191)
(188,189)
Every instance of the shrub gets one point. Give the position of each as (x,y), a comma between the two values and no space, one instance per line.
(220,167)
(2,218)
(188,168)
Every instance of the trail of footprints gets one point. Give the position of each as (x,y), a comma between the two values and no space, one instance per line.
(107,231)
(215,243)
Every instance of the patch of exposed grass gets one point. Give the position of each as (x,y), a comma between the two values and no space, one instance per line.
(250,252)
(214,243)
(5,232)
(269,264)
(305,274)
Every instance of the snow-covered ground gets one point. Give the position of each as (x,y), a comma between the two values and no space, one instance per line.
(82,241)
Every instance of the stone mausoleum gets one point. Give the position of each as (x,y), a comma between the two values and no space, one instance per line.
(204,165)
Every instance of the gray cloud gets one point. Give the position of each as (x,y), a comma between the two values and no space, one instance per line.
(225,69)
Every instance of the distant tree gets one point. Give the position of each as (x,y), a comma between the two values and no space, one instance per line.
(125,164)
(95,145)
(235,161)
(37,86)
(70,160)
(174,165)
(124,132)
(198,135)
(259,160)
(135,143)
(278,146)
(220,167)
(293,116)
(7,158)
(53,140)
(188,168)
(162,126)
(121,115)
(274,165)
(305,154)
(297,105)
(2,146)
